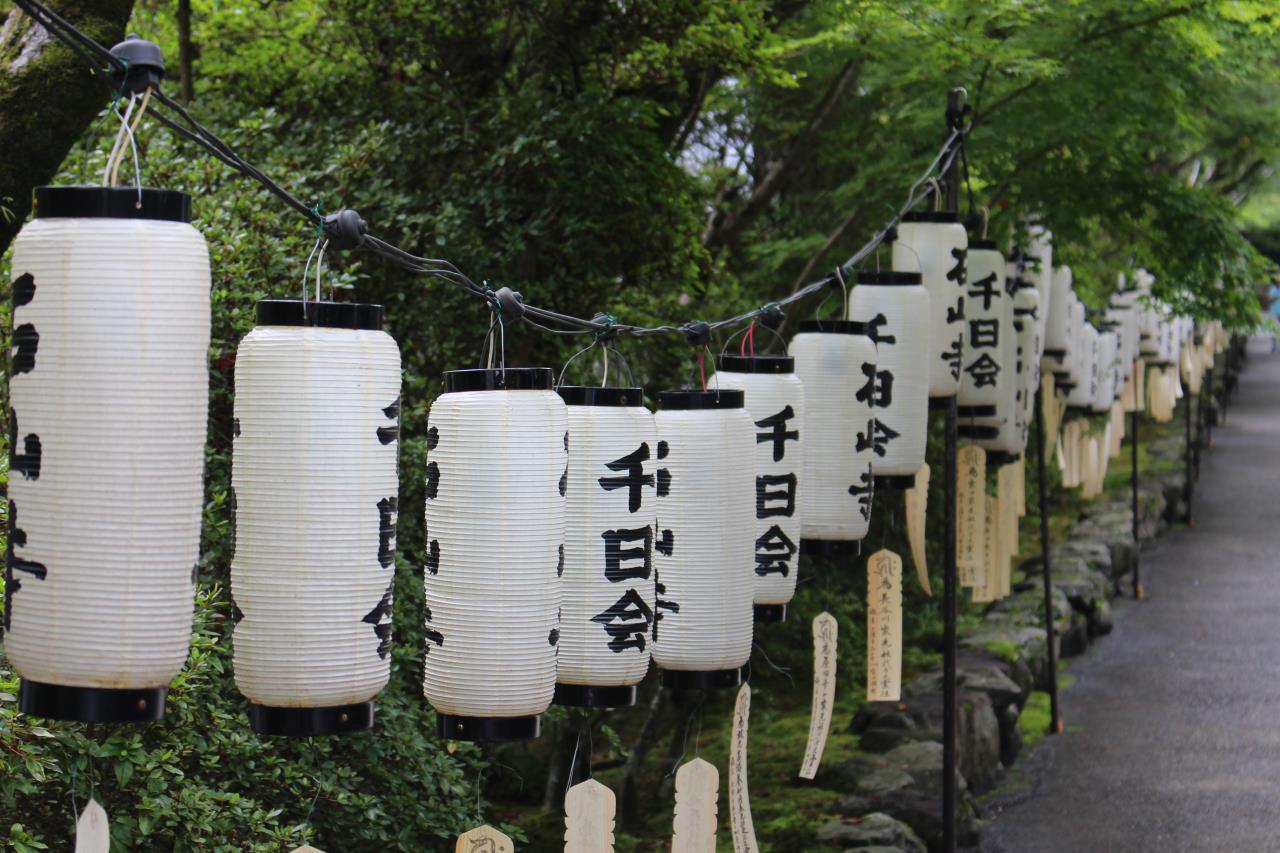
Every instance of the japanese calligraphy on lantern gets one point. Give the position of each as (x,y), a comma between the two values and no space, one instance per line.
(884,627)
(971,479)
(825,633)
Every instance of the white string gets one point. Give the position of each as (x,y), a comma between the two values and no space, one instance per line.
(133,127)
(306,271)
(117,147)
(319,264)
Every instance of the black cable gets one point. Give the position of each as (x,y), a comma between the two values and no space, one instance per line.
(440,269)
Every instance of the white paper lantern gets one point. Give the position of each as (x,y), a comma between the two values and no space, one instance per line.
(894,309)
(842,434)
(987,376)
(317,414)
(1057,330)
(1026,311)
(935,244)
(1084,369)
(705,548)
(496,482)
(1039,270)
(611,508)
(1105,392)
(774,398)
(988,386)
(108,395)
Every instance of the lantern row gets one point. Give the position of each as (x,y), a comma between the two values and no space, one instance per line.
(573,536)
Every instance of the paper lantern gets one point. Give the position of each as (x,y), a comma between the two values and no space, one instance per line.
(317,416)
(1104,394)
(615,477)
(935,245)
(986,374)
(1084,369)
(1039,270)
(705,546)
(988,382)
(842,434)
(1057,331)
(1026,312)
(497,444)
(108,395)
(774,398)
(894,309)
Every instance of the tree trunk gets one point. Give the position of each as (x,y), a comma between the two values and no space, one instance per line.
(184,51)
(48,97)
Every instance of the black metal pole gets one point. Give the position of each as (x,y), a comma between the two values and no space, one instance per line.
(950,578)
(1133,482)
(1189,485)
(1207,390)
(1055,719)
(950,581)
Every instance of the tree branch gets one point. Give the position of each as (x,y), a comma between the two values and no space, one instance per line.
(48,97)
(779,171)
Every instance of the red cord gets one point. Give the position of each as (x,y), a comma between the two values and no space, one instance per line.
(702,368)
(748,336)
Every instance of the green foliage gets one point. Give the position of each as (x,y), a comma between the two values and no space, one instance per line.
(661,161)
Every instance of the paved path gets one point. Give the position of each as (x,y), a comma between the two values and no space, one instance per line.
(1174,741)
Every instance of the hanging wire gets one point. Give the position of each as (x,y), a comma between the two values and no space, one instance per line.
(185,125)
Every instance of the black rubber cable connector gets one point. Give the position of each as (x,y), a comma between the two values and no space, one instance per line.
(771,317)
(609,332)
(345,229)
(510,304)
(697,333)
(143,65)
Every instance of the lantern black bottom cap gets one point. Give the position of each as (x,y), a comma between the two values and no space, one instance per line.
(940,404)
(590,696)
(770,612)
(311,722)
(1002,457)
(828,548)
(91,704)
(894,483)
(453,727)
(713,679)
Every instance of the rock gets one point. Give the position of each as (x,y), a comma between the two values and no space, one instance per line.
(1021,645)
(1075,640)
(1101,621)
(1010,735)
(920,810)
(896,729)
(876,831)
(1025,607)
(978,742)
(882,780)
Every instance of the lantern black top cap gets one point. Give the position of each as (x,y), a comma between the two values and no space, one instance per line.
(111,203)
(756,364)
(929,216)
(325,315)
(675,401)
(888,277)
(498,379)
(143,65)
(592,395)
(839,327)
